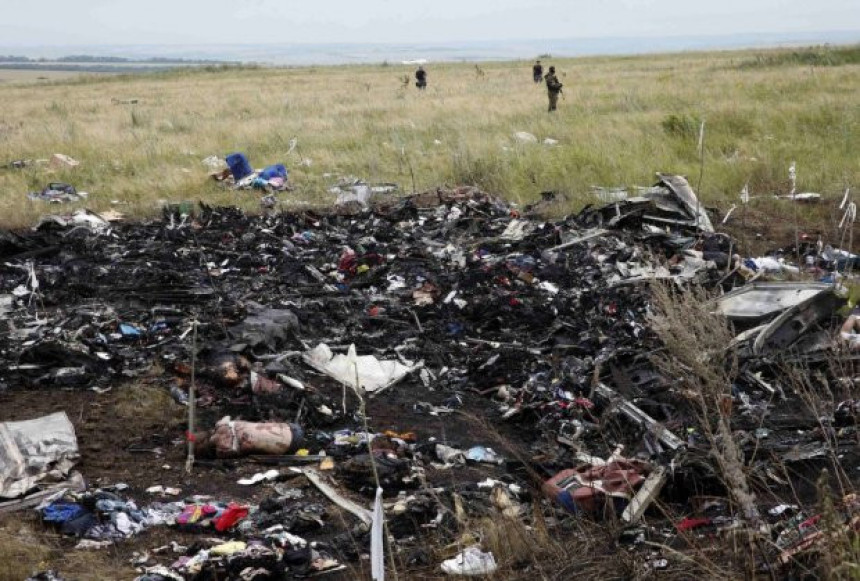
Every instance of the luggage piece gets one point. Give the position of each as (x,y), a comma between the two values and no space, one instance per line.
(239,166)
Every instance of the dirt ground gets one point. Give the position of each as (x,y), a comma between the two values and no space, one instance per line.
(758,232)
(133,434)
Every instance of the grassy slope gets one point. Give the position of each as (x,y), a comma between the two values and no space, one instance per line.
(622,119)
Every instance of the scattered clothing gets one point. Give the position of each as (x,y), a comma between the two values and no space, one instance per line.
(58,193)
(240,175)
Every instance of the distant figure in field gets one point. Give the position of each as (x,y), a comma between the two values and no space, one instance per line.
(553,88)
(421,78)
(537,72)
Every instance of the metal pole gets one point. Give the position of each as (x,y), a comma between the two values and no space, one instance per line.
(792,177)
(189,462)
(853,216)
(745,199)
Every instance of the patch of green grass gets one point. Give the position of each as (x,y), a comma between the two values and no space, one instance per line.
(147,406)
(26,547)
(683,126)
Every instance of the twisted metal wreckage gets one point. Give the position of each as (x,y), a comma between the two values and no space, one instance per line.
(379,341)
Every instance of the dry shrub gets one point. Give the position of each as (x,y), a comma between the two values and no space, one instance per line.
(508,539)
(698,356)
(820,389)
(837,555)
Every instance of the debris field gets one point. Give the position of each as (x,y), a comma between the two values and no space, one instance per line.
(371,385)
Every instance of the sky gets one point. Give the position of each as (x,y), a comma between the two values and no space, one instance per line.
(188,22)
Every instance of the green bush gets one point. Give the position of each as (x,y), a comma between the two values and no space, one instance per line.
(683,126)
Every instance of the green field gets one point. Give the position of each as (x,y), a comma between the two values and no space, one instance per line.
(622,119)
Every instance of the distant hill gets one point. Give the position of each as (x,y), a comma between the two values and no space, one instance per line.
(368,53)
(88,58)
(87,63)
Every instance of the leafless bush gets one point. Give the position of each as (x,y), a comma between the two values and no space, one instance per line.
(697,356)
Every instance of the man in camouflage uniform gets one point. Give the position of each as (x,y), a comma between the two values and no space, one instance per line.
(553,87)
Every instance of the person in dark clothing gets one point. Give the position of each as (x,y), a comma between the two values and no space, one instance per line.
(421,78)
(537,72)
(553,87)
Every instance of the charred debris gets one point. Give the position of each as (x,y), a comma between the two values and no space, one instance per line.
(391,346)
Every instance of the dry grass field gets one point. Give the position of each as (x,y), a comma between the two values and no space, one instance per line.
(622,119)
(19,76)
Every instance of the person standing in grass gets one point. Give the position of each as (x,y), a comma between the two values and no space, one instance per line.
(553,88)
(421,78)
(537,72)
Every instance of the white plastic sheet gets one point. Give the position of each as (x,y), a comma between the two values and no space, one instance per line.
(373,374)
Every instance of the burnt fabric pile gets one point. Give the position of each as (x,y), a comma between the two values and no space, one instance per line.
(451,309)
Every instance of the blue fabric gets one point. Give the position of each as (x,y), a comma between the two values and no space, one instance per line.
(79,525)
(298,437)
(844,262)
(239,165)
(159,326)
(565,499)
(455,328)
(60,512)
(274,171)
(129,330)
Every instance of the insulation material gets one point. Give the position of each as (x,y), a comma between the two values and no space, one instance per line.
(35,450)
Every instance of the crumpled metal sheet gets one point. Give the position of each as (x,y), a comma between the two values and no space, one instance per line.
(682,190)
(756,301)
(34,450)
(787,329)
